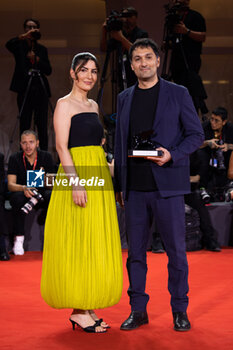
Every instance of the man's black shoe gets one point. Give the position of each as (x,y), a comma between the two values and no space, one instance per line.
(4,256)
(157,246)
(135,320)
(213,246)
(181,322)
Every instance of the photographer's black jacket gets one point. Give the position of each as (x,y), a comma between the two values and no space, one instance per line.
(20,48)
(188,47)
(227,132)
(137,33)
(196,22)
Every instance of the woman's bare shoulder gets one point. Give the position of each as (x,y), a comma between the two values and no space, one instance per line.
(64,104)
(65,100)
(94,105)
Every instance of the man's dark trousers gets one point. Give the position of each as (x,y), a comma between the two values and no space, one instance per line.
(37,103)
(17,201)
(170,219)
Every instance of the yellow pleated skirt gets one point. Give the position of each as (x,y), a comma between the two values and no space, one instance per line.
(82,260)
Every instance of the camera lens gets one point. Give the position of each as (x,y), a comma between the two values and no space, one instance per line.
(36,35)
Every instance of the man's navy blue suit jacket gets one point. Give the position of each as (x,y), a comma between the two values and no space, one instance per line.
(176,127)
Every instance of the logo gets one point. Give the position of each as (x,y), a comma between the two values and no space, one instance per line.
(35,178)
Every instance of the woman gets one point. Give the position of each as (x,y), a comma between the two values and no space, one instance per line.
(82,263)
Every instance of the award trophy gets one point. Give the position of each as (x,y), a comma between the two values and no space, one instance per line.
(143,146)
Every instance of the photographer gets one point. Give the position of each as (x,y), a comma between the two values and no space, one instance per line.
(125,36)
(215,152)
(188,36)
(31,61)
(30,158)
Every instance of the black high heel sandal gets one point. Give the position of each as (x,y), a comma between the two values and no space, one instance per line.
(89,329)
(98,323)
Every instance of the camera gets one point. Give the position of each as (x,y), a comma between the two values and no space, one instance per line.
(34,72)
(228,192)
(114,21)
(204,195)
(217,160)
(27,208)
(228,195)
(173,15)
(36,35)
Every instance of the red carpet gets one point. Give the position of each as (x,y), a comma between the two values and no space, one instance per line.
(28,323)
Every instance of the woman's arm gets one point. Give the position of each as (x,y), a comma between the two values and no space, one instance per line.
(62,128)
(62,121)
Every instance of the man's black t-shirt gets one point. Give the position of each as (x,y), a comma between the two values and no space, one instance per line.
(142,114)
(192,49)
(136,33)
(16,165)
(196,22)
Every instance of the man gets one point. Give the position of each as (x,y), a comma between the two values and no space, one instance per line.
(215,151)
(155,185)
(126,37)
(31,64)
(189,34)
(30,158)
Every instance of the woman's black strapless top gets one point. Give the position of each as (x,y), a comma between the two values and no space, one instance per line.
(85,130)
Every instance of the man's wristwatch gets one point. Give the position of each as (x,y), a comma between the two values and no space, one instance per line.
(188,32)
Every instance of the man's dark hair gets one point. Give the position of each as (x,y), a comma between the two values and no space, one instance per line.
(30,132)
(33,20)
(221,112)
(81,59)
(130,10)
(144,42)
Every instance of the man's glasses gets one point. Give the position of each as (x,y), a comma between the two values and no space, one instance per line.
(32,27)
(214,120)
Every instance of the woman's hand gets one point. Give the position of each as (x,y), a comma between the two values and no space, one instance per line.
(119,199)
(79,195)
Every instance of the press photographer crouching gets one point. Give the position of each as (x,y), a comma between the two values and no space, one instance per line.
(214,155)
(22,198)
